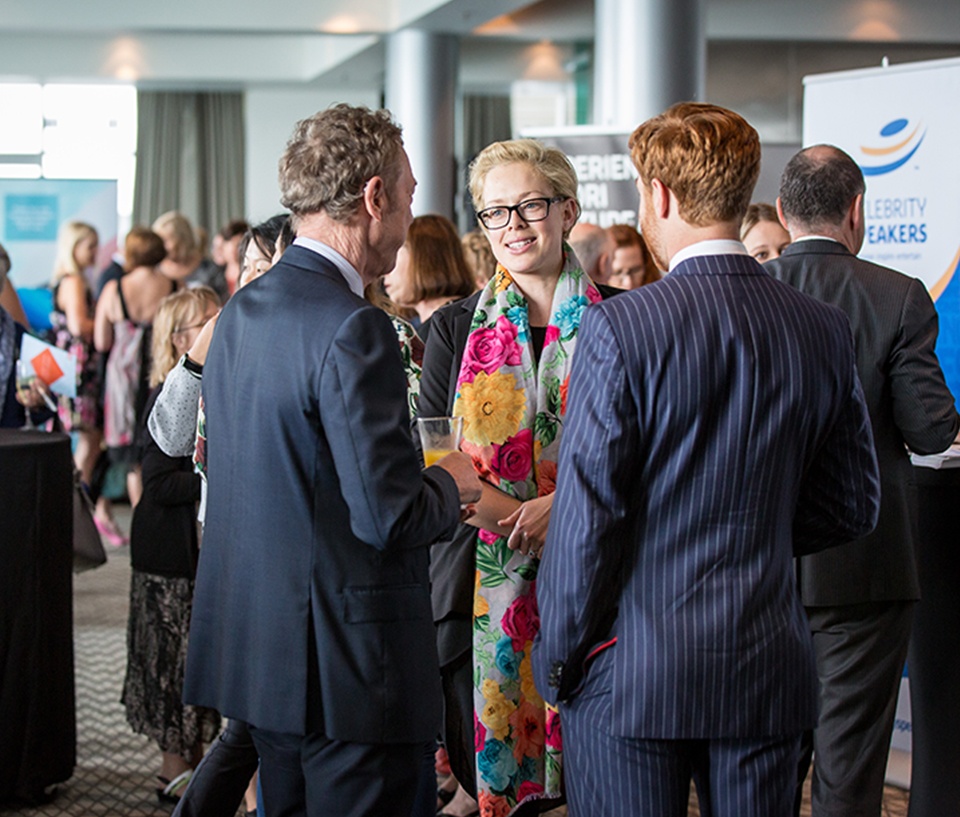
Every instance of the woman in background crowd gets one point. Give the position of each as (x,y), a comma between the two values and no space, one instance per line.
(122,327)
(430,270)
(762,233)
(12,405)
(72,323)
(633,266)
(261,247)
(185,261)
(163,555)
(479,256)
(226,253)
(9,300)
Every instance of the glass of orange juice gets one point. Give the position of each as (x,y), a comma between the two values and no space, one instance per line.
(439,436)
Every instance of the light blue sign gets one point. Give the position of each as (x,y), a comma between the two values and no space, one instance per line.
(31,218)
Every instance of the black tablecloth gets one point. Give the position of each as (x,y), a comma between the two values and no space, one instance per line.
(934,658)
(38,734)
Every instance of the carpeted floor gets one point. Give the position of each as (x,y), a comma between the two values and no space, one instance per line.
(115,769)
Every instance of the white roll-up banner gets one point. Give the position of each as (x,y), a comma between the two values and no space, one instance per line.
(901,124)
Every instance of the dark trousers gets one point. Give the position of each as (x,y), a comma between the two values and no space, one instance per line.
(314,776)
(624,777)
(860,651)
(425,804)
(217,786)
(457,681)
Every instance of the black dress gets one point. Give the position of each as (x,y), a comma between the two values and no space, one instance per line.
(163,550)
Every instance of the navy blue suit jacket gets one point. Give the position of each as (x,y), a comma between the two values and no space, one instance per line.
(312,606)
(716,428)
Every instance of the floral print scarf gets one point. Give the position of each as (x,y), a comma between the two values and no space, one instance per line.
(513,416)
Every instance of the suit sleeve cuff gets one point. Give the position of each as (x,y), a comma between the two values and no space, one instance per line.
(450,496)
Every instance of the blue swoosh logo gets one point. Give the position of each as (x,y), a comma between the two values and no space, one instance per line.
(881,169)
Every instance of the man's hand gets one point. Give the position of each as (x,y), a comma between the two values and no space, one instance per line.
(459,466)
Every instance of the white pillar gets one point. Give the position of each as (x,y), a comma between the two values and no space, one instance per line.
(648,54)
(421,83)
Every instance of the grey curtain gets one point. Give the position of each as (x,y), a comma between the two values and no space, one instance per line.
(190,157)
(486,119)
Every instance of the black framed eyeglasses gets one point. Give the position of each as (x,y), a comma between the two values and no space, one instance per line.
(496,218)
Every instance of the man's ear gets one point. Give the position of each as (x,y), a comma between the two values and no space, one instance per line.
(660,194)
(781,216)
(855,214)
(374,197)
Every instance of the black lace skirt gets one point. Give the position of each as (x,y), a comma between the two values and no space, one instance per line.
(156,656)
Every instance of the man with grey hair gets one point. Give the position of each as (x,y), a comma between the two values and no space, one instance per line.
(311,620)
(859,597)
(594,248)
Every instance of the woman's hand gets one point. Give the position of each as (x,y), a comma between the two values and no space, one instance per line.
(529,523)
(36,397)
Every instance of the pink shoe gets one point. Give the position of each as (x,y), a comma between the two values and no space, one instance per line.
(110,532)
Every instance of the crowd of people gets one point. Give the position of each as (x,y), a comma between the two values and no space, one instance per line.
(656,555)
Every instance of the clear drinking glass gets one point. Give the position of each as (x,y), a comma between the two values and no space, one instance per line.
(439,436)
(25,380)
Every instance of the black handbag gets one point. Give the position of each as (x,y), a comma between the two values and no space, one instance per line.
(88,551)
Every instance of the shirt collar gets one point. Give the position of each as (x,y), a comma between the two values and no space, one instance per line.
(815,238)
(714,246)
(347,270)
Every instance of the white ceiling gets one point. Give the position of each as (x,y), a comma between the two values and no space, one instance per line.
(250,43)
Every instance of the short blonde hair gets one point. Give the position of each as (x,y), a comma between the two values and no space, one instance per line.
(549,163)
(183,240)
(71,233)
(176,312)
(708,156)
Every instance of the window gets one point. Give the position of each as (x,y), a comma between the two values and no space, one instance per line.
(58,131)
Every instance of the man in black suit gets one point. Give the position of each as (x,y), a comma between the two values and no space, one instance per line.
(859,597)
(312,620)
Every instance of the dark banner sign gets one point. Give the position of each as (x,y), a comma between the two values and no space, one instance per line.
(608,192)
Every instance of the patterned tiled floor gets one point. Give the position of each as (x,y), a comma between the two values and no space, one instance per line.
(115,769)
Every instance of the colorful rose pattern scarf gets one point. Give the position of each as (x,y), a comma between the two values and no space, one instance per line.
(513,414)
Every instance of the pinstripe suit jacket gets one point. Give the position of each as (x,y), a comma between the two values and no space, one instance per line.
(716,428)
(895,330)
